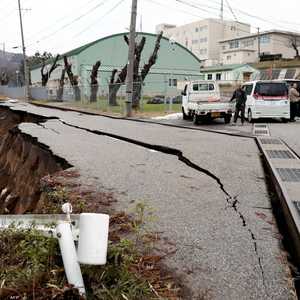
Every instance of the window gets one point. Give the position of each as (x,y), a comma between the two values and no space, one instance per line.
(228,57)
(290,73)
(203,40)
(209,76)
(194,41)
(248,43)
(196,29)
(271,89)
(234,44)
(172,82)
(218,76)
(248,89)
(203,87)
(265,39)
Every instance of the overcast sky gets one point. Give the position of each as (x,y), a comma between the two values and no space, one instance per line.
(61,25)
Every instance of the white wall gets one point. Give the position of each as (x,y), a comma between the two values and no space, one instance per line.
(202,37)
(270,43)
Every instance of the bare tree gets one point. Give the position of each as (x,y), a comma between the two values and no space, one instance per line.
(138,77)
(46,76)
(94,81)
(115,84)
(4,78)
(60,90)
(73,79)
(294,42)
(137,87)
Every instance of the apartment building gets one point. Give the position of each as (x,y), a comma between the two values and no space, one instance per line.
(245,49)
(203,37)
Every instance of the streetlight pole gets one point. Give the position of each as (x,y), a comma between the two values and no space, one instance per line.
(130,65)
(24,56)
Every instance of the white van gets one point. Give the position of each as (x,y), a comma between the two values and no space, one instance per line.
(267,99)
(201,101)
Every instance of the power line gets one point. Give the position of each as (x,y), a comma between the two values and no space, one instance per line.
(70,23)
(100,19)
(215,20)
(232,12)
(195,6)
(59,20)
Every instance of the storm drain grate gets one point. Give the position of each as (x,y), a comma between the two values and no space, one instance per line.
(260,126)
(290,175)
(280,154)
(270,141)
(261,132)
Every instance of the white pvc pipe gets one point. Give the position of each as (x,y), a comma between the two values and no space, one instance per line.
(69,256)
(93,238)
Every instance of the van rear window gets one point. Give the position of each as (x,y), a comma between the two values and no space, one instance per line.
(203,87)
(271,89)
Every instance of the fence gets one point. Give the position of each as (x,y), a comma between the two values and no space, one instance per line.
(108,98)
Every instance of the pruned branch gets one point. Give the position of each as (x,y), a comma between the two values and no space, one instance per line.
(113,74)
(47,75)
(68,68)
(152,59)
(94,73)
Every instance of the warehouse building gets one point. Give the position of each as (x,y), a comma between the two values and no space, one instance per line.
(174,64)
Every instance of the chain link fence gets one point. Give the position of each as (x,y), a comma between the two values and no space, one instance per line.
(113,97)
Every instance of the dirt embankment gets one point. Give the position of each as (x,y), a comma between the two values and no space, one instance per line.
(23,162)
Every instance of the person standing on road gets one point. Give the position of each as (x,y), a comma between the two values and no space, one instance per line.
(240,96)
(294,97)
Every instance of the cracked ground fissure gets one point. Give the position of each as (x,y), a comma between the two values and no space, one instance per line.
(231,200)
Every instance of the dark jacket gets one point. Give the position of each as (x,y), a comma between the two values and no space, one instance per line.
(240,96)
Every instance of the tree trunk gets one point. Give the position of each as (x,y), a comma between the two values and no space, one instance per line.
(46,76)
(60,90)
(94,82)
(113,91)
(94,92)
(136,96)
(77,92)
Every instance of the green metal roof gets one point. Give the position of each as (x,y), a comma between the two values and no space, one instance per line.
(78,50)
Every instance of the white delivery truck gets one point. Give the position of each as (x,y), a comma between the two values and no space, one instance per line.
(201,101)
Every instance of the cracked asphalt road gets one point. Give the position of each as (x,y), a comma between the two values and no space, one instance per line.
(225,245)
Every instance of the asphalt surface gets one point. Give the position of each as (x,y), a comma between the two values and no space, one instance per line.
(211,202)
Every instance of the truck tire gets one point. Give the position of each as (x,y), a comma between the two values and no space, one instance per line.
(196,119)
(227,118)
(184,115)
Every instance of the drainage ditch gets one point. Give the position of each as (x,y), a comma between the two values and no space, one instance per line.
(286,239)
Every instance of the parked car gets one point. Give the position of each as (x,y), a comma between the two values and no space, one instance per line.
(201,101)
(156,100)
(267,99)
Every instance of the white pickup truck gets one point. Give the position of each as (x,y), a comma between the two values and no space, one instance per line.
(201,101)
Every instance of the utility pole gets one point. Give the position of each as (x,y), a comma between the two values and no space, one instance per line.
(258,43)
(222,11)
(130,65)
(26,78)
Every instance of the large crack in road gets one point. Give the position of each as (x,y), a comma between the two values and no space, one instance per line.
(232,201)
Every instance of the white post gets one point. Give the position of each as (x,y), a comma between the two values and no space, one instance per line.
(69,256)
